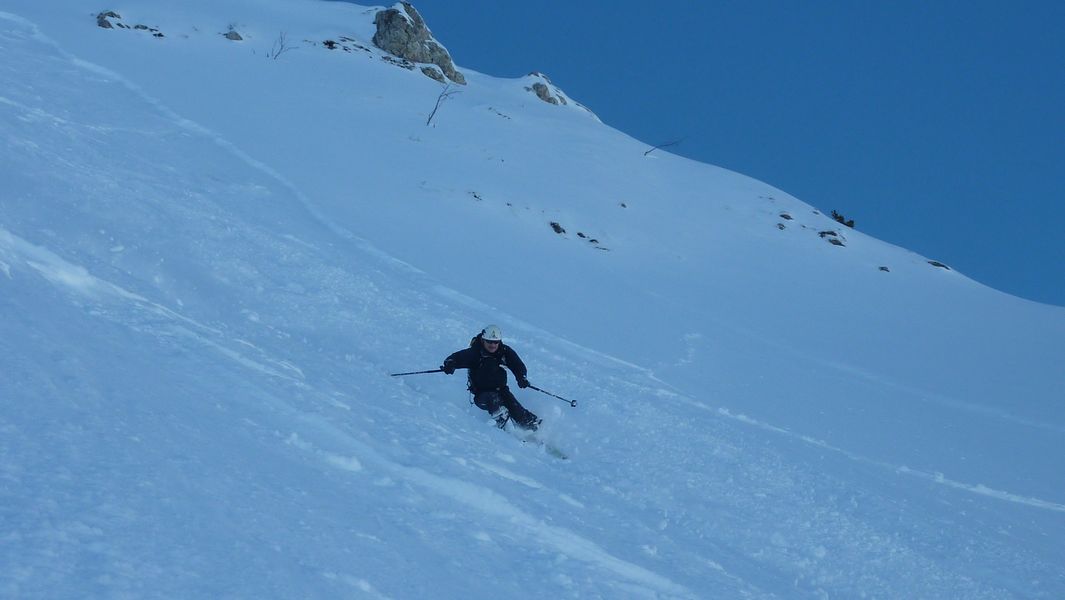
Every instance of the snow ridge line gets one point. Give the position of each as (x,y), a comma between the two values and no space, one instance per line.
(61,273)
(939,478)
(942,400)
(198,129)
(881,381)
(21,21)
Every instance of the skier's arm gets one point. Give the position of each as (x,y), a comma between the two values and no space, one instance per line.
(457,360)
(517,367)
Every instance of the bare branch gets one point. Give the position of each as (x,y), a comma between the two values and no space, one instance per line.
(446,93)
(666,145)
(280,46)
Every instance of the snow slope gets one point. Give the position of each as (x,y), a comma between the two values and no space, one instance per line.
(210,260)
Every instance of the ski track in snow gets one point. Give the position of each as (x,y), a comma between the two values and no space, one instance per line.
(938,478)
(507,474)
(934,477)
(882,382)
(938,399)
(566,542)
(483,501)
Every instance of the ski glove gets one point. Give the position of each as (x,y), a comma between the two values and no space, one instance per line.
(523,382)
(448,368)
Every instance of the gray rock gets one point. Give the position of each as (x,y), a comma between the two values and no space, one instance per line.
(434,73)
(546,91)
(233,35)
(404,34)
(102,19)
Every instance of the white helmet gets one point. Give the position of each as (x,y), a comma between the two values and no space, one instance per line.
(492,333)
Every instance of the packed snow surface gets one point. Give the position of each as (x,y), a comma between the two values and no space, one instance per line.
(213,254)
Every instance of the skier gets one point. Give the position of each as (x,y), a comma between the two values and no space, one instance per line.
(485,359)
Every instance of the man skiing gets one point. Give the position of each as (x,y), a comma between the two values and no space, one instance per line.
(485,359)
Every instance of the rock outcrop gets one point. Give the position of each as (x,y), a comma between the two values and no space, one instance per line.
(545,90)
(402,31)
(109,19)
(104,19)
(541,85)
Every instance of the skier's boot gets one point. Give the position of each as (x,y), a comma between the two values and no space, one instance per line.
(532,425)
(501,415)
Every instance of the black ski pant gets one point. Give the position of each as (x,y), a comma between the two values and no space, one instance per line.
(491,400)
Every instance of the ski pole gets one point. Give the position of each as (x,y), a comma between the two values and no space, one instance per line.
(417,372)
(572,403)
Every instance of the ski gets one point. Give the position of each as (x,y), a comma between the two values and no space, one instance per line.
(532,438)
(550,449)
(501,420)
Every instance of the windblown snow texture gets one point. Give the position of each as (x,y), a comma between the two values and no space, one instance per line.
(212,257)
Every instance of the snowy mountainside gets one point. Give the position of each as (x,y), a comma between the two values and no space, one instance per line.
(210,259)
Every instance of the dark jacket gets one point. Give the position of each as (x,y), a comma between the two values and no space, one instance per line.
(486,368)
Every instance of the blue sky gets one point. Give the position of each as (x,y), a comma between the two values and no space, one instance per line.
(936,126)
